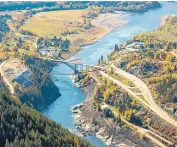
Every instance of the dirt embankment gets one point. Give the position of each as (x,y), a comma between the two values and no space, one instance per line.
(14,71)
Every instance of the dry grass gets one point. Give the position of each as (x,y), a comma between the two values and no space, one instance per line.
(124,80)
(55,23)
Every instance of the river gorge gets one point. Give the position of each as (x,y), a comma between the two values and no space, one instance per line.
(61,109)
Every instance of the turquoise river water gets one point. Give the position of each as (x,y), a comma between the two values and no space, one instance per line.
(60,110)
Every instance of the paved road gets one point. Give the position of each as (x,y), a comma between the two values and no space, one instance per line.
(6,80)
(147,95)
(149,101)
(124,87)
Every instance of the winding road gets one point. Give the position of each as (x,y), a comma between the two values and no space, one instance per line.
(6,81)
(149,101)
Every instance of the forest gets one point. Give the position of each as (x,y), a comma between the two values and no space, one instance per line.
(4,28)
(118,98)
(27,127)
(107,6)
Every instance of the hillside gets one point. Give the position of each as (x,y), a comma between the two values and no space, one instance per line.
(167,33)
(28,78)
(47,6)
(137,91)
(154,64)
(26,127)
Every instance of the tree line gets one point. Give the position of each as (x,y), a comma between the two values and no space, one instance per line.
(107,6)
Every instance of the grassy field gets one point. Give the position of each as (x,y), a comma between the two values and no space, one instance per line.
(124,80)
(70,24)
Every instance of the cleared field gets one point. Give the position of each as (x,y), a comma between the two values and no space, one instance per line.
(14,68)
(68,23)
(74,25)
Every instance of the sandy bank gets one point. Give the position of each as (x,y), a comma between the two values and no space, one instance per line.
(109,21)
(164,18)
(104,24)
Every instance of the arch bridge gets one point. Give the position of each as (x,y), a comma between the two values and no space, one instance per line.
(77,67)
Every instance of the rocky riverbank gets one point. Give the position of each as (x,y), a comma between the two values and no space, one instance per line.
(82,122)
(89,121)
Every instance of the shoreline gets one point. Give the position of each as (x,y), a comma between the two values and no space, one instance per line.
(83,127)
(164,19)
(91,130)
(110,21)
(104,129)
(116,18)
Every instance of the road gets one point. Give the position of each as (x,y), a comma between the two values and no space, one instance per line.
(6,80)
(143,131)
(124,87)
(147,95)
(149,101)
(72,62)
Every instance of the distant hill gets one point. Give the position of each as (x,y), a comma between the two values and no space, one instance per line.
(123,6)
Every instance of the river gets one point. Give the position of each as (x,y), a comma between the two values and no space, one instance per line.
(60,110)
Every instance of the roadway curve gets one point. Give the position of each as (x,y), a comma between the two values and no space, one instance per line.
(7,82)
(149,101)
(147,95)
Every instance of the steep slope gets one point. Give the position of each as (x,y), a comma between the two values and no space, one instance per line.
(22,126)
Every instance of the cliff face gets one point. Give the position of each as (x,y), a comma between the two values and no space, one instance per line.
(42,96)
(43,91)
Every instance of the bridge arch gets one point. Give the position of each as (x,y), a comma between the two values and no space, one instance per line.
(72,66)
(75,66)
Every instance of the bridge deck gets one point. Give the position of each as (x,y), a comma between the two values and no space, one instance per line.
(64,61)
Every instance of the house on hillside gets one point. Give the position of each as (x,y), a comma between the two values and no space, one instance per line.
(136,45)
(49,52)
